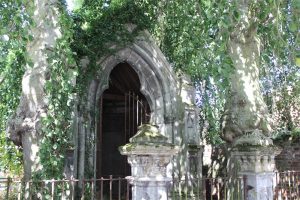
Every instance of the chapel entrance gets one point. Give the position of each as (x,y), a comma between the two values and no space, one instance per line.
(122,108)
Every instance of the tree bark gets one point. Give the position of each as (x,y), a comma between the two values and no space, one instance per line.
(24,127)
(245,109)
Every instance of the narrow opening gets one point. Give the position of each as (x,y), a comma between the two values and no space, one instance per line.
(122,109)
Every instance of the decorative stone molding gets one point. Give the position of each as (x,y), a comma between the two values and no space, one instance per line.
(255,137)
(187,90)
(149,154)
(258,165)
(194,172)
(191,126)
(158,83)
(195,153)
(171,98)
(256,159)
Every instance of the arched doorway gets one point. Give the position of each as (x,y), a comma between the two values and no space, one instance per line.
(147,73)
(122,109)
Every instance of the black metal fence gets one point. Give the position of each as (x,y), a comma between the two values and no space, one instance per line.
(287,187)
(209,189)
(110,188)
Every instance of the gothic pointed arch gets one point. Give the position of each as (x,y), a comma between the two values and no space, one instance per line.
(158,83)
(170,98)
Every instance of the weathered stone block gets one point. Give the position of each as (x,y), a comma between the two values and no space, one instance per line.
(149,154)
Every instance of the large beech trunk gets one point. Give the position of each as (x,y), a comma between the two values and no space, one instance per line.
(246,110)
(25,126)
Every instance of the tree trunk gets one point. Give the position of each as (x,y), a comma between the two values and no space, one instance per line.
(246,110)
(25,126)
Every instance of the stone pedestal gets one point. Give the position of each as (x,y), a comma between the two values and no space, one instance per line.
(149,154)
(193,175)
(256,163)
(258,166)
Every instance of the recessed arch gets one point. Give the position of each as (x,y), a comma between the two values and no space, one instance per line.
(122,108)
(170,99)
(158,84)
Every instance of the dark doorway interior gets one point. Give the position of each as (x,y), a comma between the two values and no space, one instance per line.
(122,109)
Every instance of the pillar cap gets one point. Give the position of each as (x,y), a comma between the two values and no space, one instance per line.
(148,141)
(148,133)
(253,138)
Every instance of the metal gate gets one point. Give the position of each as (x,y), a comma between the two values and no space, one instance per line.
(136,113)
(127,112)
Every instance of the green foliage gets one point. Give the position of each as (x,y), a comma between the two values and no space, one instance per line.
(101,24)
(60,89)
(296,132)
(11,157)
(192,34)
(280,75)
(14,24)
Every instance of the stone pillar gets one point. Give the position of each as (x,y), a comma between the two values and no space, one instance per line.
(254,154)
(149,154)
(193,175)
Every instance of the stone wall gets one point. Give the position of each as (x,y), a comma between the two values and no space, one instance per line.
(170,97)
(289,157)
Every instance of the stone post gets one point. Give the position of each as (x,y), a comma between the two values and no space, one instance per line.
(149,154)
(194,175)
(254,155)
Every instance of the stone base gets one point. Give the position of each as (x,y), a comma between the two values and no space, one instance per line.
(258,165)
(149,188)
(260,185)
(149,155)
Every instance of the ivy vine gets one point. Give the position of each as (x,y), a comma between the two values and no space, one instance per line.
(192,34)
(60,94)
(14,23)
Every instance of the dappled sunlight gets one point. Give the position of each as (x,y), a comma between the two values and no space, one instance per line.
(245,108)
(213,143)
(26,123)
(172,110)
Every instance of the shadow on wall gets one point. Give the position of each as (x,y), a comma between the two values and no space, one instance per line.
(216,166)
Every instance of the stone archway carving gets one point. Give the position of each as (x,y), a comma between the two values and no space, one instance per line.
(158,83)
(170,98)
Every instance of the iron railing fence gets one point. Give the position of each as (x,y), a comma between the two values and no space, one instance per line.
(209,189)
(287,187)
(110,188)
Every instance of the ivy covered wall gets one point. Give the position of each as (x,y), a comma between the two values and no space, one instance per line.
(193,35)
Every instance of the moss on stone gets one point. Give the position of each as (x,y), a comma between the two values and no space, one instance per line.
(251,147)
(148,133)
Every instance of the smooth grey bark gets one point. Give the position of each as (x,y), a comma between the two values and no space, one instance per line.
(25,126)
(246,110)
